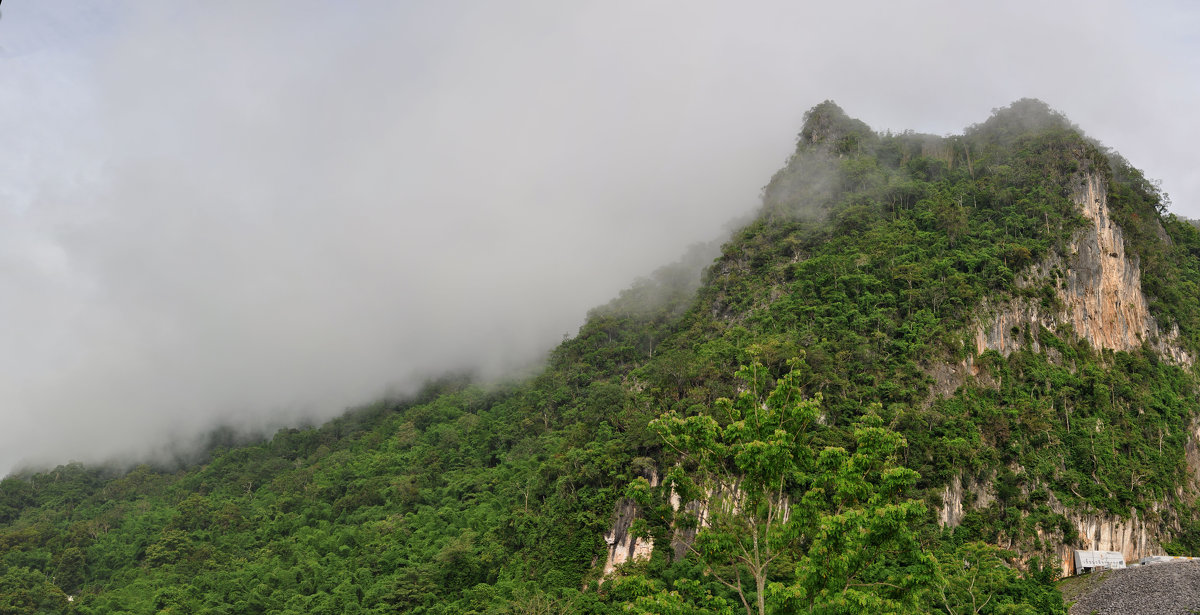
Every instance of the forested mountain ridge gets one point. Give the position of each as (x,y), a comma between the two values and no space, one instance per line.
(992,332)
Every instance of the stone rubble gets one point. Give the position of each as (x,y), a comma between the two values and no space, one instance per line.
(1158,589)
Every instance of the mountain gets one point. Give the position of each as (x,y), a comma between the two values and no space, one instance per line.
(923,374)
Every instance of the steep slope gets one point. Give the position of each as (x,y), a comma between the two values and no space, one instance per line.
(994,267)
(1101,297)
(1098,298)
(1013,301)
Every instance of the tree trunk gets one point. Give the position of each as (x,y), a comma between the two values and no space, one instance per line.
(760,584)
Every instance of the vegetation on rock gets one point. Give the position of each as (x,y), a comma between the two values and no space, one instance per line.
(867,268)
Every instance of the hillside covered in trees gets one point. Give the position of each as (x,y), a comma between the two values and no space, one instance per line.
(908,385)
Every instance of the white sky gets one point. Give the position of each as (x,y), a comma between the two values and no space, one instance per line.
(254,212)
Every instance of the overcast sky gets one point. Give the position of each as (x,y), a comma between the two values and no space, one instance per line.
(258,212)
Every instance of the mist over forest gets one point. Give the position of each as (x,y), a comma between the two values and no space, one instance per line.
(261,214)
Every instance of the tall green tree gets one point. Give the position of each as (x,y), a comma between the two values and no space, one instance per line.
(744,472)
(864,555)
(839,518)
(28,592)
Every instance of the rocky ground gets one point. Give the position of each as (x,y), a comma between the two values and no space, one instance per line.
(1158,589)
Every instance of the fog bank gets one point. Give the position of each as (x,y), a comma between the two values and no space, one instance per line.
(258,213)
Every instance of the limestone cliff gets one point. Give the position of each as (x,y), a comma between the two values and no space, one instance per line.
(1103,292)
(1133,536)
(954,500)
(623,546)
(1099,298)
(1099,291)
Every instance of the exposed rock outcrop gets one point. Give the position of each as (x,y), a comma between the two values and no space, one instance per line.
(1015,325)
(727,496)
(954,502)
(1131,536)
(1099,296)
(623,546)
(1099,291)
(1191,455)
(1103,293)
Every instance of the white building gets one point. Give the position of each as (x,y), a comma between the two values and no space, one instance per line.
(1085,561)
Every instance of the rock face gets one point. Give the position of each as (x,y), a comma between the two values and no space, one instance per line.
(951,512)
(1099,288)
(1191,454)
(1132,537)
(1100,299)
(1103,294)
(624,547)
(1012,327)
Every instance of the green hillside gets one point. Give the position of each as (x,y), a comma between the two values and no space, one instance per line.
(840,361)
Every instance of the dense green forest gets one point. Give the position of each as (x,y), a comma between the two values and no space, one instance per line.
(789,385)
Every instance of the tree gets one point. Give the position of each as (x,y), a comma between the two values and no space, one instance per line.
(70,568)
(864,555)
(976,578)
(15,494)
(24,591)
(743,472)
(770,497)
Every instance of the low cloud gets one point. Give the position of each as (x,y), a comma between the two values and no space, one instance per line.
(258,213)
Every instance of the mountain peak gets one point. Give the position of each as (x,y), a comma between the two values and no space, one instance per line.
(828,125)
(1023,117)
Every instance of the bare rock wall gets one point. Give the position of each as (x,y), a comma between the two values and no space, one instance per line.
(1099,288)
(1131,536)
(623,546)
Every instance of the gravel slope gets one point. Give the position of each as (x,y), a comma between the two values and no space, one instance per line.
(1158,589)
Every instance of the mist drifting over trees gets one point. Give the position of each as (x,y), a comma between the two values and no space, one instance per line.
(261,214)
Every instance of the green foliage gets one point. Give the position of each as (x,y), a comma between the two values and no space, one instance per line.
(28,592)
(15,495)
(826,124)
(842,518)
(874,258)
(745,471)
(977,578)
(864,554)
